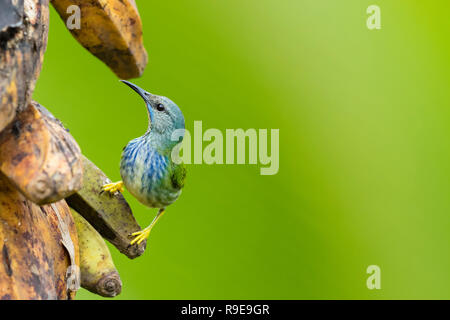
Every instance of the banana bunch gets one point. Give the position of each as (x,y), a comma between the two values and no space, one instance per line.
(42,254)
(46,250)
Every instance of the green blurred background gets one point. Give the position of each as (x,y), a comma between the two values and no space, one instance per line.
(364,155)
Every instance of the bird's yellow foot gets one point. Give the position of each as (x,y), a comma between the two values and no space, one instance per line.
(113,187)
(141,235)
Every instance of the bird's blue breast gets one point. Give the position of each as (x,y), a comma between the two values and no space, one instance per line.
(145,172)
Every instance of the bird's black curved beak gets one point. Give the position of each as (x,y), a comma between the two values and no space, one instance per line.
(139,90)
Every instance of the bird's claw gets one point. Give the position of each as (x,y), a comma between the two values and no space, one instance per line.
(113,187)
(140,236)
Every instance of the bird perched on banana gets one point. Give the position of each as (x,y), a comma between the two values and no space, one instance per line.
(146,166)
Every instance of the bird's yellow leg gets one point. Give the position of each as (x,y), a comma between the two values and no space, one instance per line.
(142,235)
(113,187)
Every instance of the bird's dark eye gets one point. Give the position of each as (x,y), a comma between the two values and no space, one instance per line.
(160,107)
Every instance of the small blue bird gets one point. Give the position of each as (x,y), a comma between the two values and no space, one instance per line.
(146,166)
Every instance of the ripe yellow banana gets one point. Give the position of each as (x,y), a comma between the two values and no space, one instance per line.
(108,213)
(110,29)
(98,273)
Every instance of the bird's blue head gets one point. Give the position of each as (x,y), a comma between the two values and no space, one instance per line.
(165,119)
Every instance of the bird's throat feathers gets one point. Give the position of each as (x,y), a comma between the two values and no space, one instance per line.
(150,117)
(156,141)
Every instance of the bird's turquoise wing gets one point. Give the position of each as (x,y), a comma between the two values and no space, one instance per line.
(178,175)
